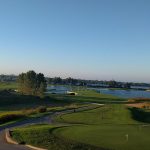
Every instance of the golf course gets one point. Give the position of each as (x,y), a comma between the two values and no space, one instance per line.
(89,121)
(105,127)
(75,75)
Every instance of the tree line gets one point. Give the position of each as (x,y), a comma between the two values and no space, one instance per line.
(67,81)
(35,84)
(8,78)
(81,82)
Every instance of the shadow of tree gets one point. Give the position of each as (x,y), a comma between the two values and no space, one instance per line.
(140,115)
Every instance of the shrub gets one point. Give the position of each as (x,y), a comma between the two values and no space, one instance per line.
(41,109)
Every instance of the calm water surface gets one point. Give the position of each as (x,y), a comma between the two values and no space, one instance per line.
(119,93)
(126,93)
(58,89)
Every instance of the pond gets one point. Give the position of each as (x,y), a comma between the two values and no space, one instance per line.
(126,93)
(57,89)
(120,93)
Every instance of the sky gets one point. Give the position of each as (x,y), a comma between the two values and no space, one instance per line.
(88,39)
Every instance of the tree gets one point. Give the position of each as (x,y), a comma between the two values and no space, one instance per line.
(21,81)
(31,83)
(40,84)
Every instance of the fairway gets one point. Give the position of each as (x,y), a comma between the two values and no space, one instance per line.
(8,85)
(107,114)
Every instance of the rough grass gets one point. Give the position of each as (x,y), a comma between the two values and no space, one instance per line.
(11,116)
(36,111)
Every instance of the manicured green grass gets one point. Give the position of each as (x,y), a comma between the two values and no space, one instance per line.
(85,95)
(106,127)
(8,85)
(107,114)
(109,136)
(42,136)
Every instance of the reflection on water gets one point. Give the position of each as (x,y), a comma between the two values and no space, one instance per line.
(57,89)
(126,93)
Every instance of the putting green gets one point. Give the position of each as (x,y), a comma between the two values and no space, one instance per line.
(119,137)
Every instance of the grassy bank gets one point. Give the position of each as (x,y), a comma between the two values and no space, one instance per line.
(42,136)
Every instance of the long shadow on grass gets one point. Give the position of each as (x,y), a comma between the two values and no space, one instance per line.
(17,101)
(140,115)
(92,99)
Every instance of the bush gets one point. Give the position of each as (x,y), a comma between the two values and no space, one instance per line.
(41,109)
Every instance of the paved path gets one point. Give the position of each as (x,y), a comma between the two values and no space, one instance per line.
(5,146)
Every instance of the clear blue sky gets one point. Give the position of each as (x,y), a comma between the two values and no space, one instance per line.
(92,39)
